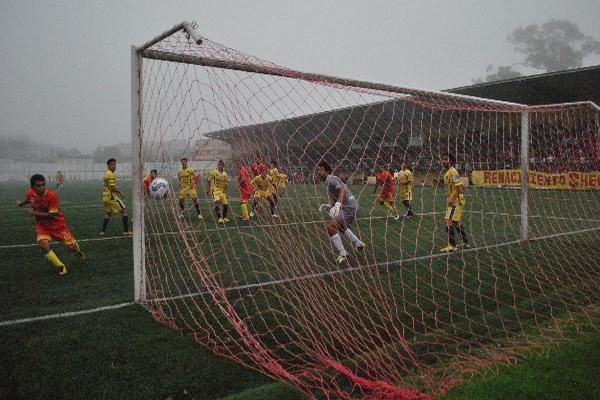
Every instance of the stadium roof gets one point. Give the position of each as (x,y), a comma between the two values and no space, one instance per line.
(582,84)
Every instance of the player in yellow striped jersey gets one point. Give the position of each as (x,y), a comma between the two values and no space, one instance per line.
(216,187)
(455,205)
(188,179)
(405,182)
(112,199)
(274,175)
(263,190)
(280,180)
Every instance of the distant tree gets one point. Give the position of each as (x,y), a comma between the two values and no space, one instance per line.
(501,73)
(554,46)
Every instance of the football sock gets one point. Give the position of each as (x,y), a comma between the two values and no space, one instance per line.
(351,236)
(218,211)
(463,233)
(272,206)
(53,258)
(245,211)
(225,208)
(407,205)
(337,242)
(105,224)
(197,207)
(450,230)
(388,207)
(125,220)
(181,205)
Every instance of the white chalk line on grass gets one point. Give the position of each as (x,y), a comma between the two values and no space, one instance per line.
(65,314)
(288,280)
(368,266)
(254,226)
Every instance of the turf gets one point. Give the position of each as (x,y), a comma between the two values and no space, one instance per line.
(125,354)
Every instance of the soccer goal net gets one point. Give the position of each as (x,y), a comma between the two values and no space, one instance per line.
(475,223)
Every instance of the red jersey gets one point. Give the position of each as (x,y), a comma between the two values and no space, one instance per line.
(387,179)
(244,179)
(257,169)
(48,202)
(146,183)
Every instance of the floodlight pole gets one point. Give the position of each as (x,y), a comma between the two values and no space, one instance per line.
(139,275)
(524,176)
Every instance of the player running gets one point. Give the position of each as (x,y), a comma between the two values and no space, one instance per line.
(342,208)
(455,205)
(49,221)
(188,178)
(217,188)
(112,199)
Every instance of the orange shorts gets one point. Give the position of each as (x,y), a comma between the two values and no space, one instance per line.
(387,197)
(60,232)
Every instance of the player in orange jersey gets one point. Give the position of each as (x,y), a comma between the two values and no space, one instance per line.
(387,196)
(245,189)
(148,181)
(258,167)
(49,221)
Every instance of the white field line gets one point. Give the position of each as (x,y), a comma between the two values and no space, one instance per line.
(282,281)
(368,266)
(64,315)
(254,226)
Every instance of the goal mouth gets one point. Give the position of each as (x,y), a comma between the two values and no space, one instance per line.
(397,317)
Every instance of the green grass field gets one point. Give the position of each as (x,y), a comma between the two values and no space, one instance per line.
(124,353)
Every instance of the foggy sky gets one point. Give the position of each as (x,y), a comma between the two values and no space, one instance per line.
(65,69)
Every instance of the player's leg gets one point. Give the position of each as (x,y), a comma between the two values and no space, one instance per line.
(273,206)
(225,205)
(181,203)
(449,230)
(106,220)
(395,212)
(63,234)
(459,227)
(244,197)
(336,240)
(124,216)
(344,221)
(217,202)
(43,240)
(255,201)
(197,205)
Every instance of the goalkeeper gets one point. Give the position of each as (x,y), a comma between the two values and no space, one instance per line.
(342,210)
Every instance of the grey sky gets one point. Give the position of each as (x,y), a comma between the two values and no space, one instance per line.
(65,68)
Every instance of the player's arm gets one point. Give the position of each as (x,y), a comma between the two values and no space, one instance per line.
(21,203)
(42,214)
(377,183)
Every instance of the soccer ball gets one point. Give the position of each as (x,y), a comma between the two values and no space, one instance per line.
(159,188)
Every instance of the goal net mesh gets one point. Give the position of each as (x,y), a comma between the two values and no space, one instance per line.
(399,319)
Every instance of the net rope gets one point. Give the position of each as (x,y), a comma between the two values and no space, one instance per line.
(398,320)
